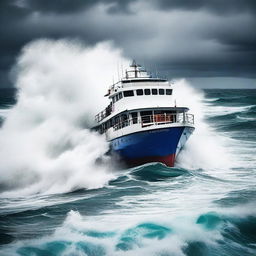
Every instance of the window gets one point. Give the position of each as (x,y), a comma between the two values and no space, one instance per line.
(108,124)
(120,95)
(147,91)
(146,113)
(124,120)
(116,98)
(168,91)
(128,93)
(146,116)
(154,91)
(113,99)
(161,91)
(139,92)
(116,120)
(134,117)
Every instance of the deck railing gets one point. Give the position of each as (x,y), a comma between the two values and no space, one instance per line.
(156,119)
(104,113)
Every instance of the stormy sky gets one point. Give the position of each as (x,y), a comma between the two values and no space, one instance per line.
(210,42)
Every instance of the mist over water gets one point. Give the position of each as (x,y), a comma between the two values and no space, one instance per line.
(46,146)
(57,198)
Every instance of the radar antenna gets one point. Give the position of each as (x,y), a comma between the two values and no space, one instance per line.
(135,66)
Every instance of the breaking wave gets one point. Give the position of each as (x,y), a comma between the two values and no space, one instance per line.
(199,234)
(46,146)
(205,148)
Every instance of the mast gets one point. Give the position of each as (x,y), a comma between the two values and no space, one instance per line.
(135,66)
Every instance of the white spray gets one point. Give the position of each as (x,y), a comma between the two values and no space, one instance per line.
(45,143)
(205,149)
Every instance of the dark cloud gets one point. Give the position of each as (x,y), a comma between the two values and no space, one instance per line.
(217,6)
(182,38)
(71,6)
(17,27)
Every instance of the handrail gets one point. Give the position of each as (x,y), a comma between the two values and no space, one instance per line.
(104,113)
(156,119)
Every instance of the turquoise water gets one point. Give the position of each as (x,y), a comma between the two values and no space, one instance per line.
(205,205)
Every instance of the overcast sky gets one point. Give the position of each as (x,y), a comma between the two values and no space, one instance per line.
(210,42)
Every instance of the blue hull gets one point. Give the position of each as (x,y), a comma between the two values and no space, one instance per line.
(161,145)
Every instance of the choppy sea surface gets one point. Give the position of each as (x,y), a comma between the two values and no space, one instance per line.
(205,205)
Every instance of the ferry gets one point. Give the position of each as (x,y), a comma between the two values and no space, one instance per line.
(142,122)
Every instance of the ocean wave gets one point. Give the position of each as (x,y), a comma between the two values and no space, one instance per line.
(246,118)
(157,172)
(232,97)
(222,111)
(241,126)
(233,117)
(211,99)
(235,127)
(237,198)
(199,234)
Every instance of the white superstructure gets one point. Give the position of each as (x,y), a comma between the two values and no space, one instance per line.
(142,122)
(140,102)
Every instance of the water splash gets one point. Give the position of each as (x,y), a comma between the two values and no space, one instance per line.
(46,146)
(205,149)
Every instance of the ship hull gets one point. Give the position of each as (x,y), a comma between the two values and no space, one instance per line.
(158,145)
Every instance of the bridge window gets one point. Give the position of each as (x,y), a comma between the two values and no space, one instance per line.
(128,93)
(147,91)
(168,91)
(161,91)
(154,92)
(139,92)
(120,95)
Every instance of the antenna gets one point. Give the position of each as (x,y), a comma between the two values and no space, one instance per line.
(135,66)
(122,69)
(156,71)
(118,71)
